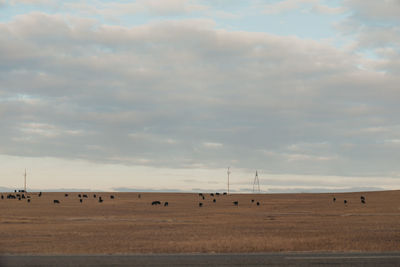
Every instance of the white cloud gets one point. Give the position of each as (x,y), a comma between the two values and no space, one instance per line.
(212,145)
(166,92)
(288,5)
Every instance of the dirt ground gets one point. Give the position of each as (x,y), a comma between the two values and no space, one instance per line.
(128,224)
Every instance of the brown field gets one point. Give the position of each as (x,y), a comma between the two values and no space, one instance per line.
(126,224)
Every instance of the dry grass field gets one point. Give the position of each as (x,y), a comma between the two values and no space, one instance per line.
(127,224)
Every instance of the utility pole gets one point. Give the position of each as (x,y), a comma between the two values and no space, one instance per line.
(25,181)
(229,172)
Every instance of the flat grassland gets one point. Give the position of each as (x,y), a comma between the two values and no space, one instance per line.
(128,224)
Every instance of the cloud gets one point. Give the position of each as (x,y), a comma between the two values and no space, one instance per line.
(212,145)
(288,5)
(164,93)
(370,9)
(375,28)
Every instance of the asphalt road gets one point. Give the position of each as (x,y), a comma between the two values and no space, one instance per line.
(259,259)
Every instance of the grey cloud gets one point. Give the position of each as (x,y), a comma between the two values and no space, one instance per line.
(375,27)
(182,94)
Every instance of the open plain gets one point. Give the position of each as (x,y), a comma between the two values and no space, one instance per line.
(128,224)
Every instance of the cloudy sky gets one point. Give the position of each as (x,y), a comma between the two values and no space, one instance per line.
(166,94)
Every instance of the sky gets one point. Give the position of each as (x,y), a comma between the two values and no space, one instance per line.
(165,95)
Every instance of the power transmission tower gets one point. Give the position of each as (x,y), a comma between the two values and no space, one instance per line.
(256,181)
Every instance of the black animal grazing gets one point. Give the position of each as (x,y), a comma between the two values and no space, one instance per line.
(204,198)
(214,200)
(66,195)
(217,194)
(112,197)
(2,197)
(94,195)
(79,195)
(23,196)
(225,194)
(200,204)
(100,200)
(80,200)
(236,203)
(19,198)
(363,201)
(258,203)
(200,194)
(334,199)
(55,201)
(212,194)
(85,196)
(155,203)
(362,198)
(40,194)
(252,201)
(345,201)
(166,204)
(29,200)
(139,196)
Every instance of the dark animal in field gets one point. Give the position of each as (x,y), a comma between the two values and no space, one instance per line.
(225,194)
(85,196)
(363,201)
(29,200)
(345,201)
(362,198)
(166,204)
(200,204)
(200,194)
(66,195)
(15,191)
(139,196)
(112,197)
(155,203)
(212,194)
(100,200)
(236,203)
(204,198)
(19,198)
(10,196)
(80,200)
(252,201)
(55,201)
(217,194)
(214,200)
(28,196)
(40,194)
(258,203)
(94,195)
(334,199)
(23,196)
(18,195)
(2,197)
(79,195)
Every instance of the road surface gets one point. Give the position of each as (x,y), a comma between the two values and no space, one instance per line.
(257,259)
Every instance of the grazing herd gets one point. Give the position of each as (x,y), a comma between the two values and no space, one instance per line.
(345,202)
(213,195)
(23,195)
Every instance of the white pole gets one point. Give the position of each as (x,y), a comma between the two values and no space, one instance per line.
(229,172)
(25,181)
